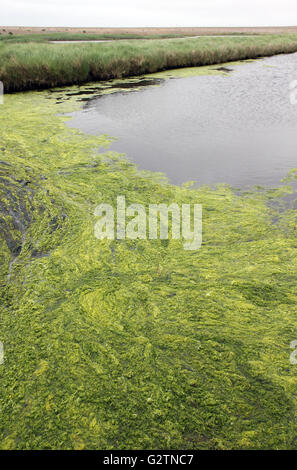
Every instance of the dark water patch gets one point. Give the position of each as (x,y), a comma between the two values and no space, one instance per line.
(87,93)
(21,210)
(15,202)
(224,69)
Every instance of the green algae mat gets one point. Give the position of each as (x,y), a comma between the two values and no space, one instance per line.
(120,344)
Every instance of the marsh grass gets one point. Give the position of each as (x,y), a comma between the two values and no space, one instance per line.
(26,66)
(60,36)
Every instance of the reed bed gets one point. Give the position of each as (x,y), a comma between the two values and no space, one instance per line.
(73,36)
(31,66)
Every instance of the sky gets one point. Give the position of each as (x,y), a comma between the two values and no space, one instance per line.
(142,13)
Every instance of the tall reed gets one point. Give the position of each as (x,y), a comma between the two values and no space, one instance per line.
(34,66)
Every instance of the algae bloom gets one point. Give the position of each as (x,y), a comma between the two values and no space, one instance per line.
(120,344)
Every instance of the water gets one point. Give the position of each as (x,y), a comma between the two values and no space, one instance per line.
(238,129)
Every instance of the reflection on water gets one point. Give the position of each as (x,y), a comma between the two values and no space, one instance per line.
(238,129)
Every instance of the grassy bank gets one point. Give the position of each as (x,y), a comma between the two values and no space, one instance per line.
(136,344)
(60,36)
(33,65)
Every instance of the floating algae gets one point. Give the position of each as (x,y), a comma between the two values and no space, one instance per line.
(196,71)
(93,90)
(136,344)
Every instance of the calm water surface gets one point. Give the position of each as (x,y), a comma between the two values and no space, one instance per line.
(239,129)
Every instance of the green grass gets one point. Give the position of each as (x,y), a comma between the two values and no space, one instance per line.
(39,65)
(136,344)
(45,37)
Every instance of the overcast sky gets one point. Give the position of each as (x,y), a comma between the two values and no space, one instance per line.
(139,13)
